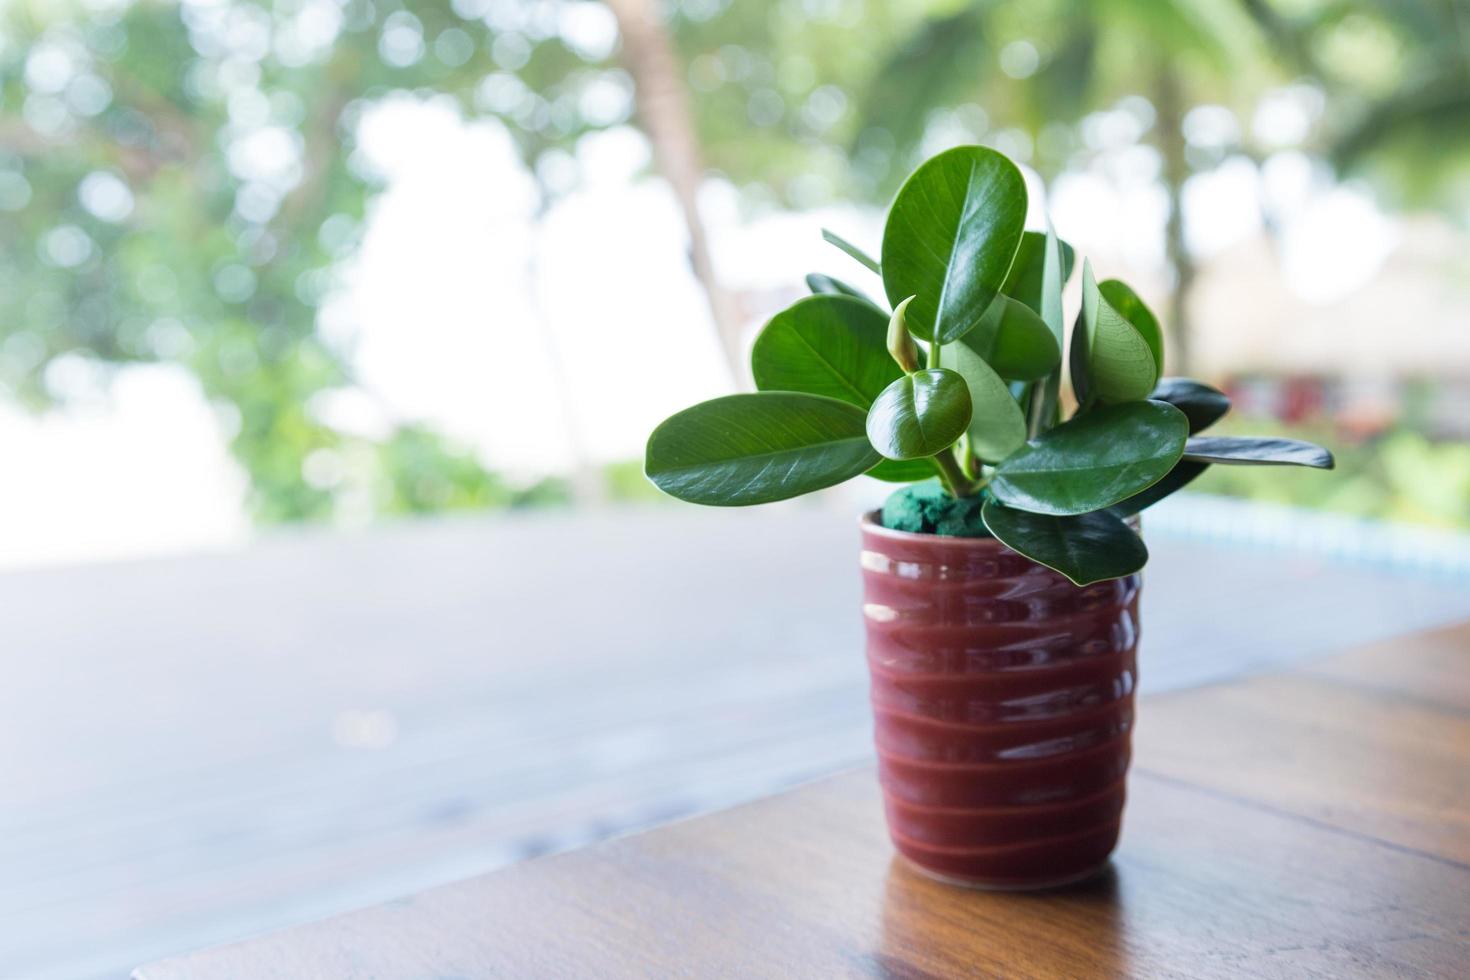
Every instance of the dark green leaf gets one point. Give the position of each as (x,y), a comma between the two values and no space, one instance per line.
(864,258)
(821,284)
(1181,475)
(902,470)
(753,449)
(1025,281)
(919,414)
(997,427)
(1201,404)
(1087,548)
(1014,341)
(826,345)
(1094,460)
(1112,361)
(951,234)
(1257,451)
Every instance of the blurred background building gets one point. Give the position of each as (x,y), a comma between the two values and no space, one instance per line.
(267,264)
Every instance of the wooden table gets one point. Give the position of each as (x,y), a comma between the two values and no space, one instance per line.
(1311,823)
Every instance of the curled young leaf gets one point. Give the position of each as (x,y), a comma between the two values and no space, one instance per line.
(1094,460)
(753,449)
(920,414)
(901,346)
(828,345)
(950,237)
(1086,548)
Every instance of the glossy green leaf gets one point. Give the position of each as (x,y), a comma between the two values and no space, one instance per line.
(1094,460)
(1086,548)
(1121,297)
(826,345)
(1201,404)
(821,284)
(1026,279)
(950,237)
(1179,477)
(919,414)
(902,470)
(1112,360)
(997,426)
(1257,451)
(756,448)
(1014,341)
(863,258)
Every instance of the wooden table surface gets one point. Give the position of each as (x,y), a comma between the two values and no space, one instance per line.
(1310,823)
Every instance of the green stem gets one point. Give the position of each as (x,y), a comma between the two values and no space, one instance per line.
(952,475)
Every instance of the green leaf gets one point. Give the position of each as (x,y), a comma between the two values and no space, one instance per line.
(1258,451)
(1180,476)
(1093,461)
(826,345)
(821,285)
(1027,275)
(1014,341)
(832,238)
(951,234)
(997,426)
(1201,404)
(1121,297)
(753,449)
(920,414)
(1087,548)
(1112,361)
(902,470)
(1053,275)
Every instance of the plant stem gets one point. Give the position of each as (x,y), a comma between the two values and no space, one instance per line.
(952,475)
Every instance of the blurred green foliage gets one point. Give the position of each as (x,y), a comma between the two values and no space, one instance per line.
(178,182)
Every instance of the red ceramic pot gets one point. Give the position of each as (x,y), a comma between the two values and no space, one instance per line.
(1003,707)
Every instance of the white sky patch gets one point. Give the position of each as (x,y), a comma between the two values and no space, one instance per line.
(1223,207)
(141,471)
(1336,244)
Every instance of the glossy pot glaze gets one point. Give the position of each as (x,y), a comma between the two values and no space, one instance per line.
(1003,708)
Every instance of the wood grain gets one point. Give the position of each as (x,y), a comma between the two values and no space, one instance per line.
(1310,824)
(1376,742)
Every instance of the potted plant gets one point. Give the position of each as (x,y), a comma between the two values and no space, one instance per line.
(1001,584)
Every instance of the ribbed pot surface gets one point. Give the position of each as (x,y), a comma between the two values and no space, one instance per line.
(1003,707)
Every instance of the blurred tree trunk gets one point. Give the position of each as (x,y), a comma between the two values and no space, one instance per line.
(663,107)
(1169,125)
